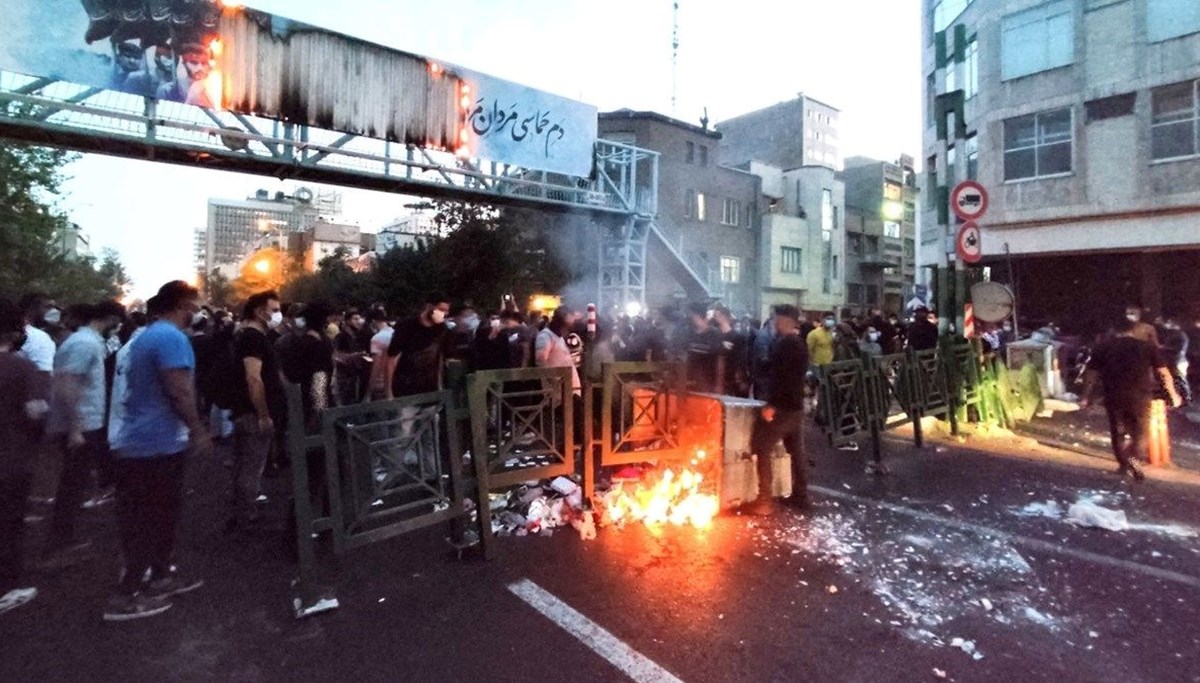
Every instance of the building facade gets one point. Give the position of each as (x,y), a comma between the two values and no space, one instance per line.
(237,228)
(881,231)
(407,231)
(1082,119)
(72,243)
(799,132)
(704,239)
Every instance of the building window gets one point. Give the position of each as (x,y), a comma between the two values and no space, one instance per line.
(731,270)
(951,76)
(701,207)
(791,260)
(891,229)
(827,214)
(910,250)
(1166,19)
(691,152)
(944,12)
(1175,121)
(931,168)
(703,155)
(873,295)
(1038,145)
(731,212)
(951,159)
(892,191)
(972,157)
(971,69)
(910,213)
(1037,39)
(689,203)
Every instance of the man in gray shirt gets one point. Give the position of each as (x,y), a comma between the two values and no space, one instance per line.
(77,419)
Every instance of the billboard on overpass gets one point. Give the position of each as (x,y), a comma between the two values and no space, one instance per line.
(215,54)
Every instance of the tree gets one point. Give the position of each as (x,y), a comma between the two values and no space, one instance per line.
(113,270)
(31,181)
(219,290)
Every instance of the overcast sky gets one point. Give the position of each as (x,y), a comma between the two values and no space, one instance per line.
(861,56)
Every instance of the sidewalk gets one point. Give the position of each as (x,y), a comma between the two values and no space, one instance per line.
(1086,432)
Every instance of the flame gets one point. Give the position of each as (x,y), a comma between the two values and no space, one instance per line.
(214,83)
(675,498)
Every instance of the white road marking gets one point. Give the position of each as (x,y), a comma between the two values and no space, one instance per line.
(634,664)
(1033,543)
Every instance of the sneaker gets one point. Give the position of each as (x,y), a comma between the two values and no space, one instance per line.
(1138,473)
(173,584)
(104,497)
(122,607)
(16,597)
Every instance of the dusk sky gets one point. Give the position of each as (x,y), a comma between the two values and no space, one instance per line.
(861,56)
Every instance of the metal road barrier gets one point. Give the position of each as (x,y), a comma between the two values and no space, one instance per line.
(868,396)
(640,416)
(375,470)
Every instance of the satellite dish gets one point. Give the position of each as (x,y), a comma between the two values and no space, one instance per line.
(993,301)
(304,195)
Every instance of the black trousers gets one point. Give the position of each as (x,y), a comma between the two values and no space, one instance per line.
(14,492)
(1128,424)
(788,427)
(73,480)
(149,500)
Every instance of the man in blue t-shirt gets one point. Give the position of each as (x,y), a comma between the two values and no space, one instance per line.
(161,428)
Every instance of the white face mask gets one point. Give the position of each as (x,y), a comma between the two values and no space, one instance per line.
(1132,317)
(198,318)
(829,323)
(53,316)
(300,323)
(438,316)
(276,319)
(873,336)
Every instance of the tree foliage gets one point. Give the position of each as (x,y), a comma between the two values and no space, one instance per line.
(486,254)
(31,180)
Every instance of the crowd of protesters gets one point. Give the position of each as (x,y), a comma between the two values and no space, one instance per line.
(127,398)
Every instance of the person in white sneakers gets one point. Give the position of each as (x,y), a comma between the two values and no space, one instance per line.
(22,408)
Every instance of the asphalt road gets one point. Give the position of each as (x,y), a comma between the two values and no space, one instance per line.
(958,563)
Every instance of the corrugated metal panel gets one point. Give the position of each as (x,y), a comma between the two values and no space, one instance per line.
(302,74)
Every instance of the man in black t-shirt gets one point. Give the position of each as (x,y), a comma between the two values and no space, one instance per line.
(416,351)
(1130,370)
(259,403)
(352,350)
(783,417)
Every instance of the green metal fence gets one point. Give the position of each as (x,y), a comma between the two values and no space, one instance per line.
(865,397)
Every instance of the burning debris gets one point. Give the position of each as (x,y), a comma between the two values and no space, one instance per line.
(654,495)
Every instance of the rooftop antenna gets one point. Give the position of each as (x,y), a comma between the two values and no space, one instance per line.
(704,119)
(674,55)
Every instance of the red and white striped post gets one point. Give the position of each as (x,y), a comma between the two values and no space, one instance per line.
(591,321)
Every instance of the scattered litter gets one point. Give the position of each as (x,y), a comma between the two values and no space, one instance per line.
(938,673)
(831,589)
(1049,509)
(987,604)
(564,486)
(1088,514)
(382,599)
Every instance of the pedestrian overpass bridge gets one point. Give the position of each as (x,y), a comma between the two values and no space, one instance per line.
(280,107)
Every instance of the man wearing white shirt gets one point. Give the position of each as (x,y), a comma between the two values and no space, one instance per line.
(38,347)
(378,320)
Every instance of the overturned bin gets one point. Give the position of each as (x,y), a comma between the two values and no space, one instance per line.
(727,422)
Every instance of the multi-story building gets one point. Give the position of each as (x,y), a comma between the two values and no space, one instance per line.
(407,231)
(1082,120)
(324,239)
(72,243)
(799,132)
(881,201)
(239,227)
(704,243)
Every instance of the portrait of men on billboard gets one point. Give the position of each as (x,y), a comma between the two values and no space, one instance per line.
(128,57)
(157,70)
(195,64)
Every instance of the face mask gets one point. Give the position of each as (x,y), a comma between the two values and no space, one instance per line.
(1131,317)
(873,336)
(53,316)
(438,316)
(1008,328)
(495,323)
(276,319)
(829,323)
(332,330)
(198,318)
(300,323)
(472,323)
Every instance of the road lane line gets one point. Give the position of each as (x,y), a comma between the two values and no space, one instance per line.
(634,664)
(1032,543)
